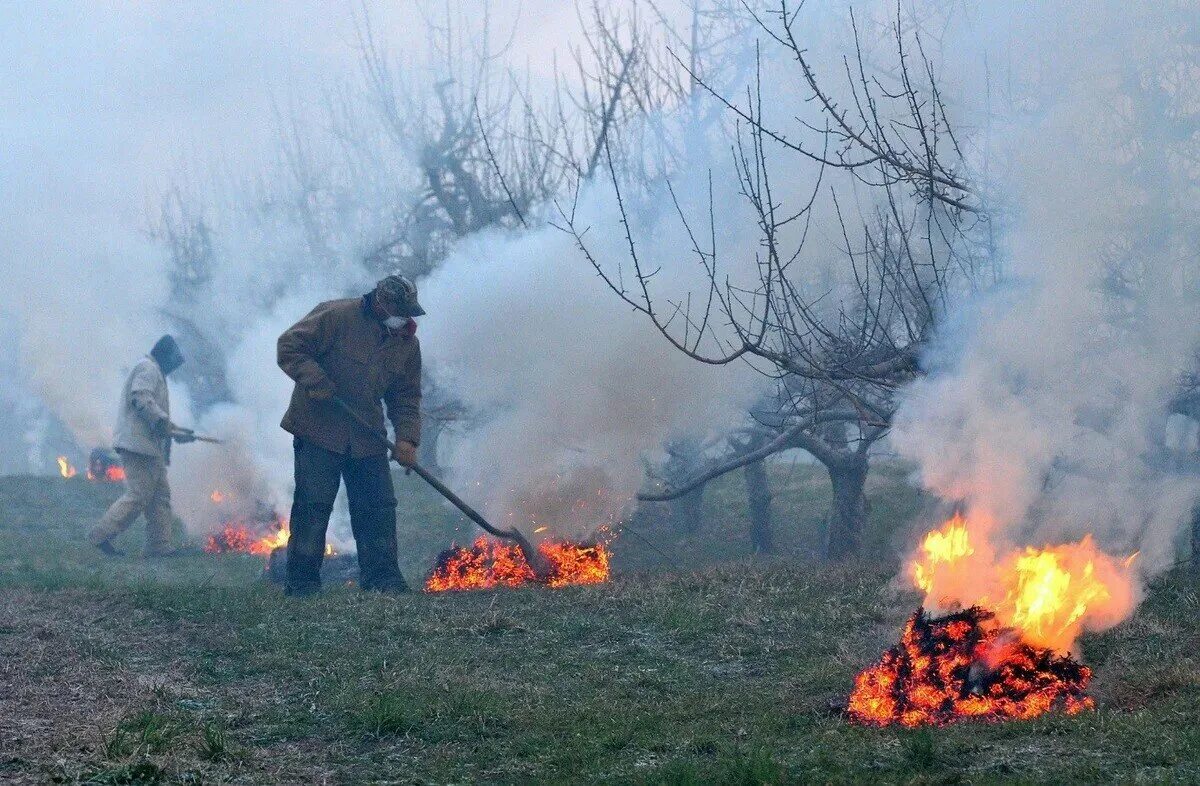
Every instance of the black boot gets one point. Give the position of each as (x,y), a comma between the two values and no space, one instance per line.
(375,534)
(109,549)
(306,548)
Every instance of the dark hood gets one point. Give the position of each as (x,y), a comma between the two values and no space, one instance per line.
(167,355)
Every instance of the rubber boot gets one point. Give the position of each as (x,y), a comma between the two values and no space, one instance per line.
(375,534)
(306,548)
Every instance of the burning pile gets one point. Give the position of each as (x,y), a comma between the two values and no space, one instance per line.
(487,564)
(1003,650)
(965,665)
(237,536)
(259,534)
(104,466)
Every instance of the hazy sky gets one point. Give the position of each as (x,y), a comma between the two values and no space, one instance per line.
(106,103)
(102,100)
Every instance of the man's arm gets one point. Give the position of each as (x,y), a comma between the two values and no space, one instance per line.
(403,399)
(141,395)
(300,346)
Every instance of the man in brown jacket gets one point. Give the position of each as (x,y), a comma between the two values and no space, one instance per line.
(359,351)
(143,440)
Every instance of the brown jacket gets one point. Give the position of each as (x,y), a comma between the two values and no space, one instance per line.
(342,348)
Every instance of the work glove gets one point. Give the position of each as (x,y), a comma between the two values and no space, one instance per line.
(182,435)
(405,453)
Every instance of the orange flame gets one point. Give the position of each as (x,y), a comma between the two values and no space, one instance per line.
(112,474)
(237,537)
(1048,595)
(999,653)
(65,469)
(489,564)
(947,545)
(246,535)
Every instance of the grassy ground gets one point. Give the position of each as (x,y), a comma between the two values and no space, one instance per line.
(193,671)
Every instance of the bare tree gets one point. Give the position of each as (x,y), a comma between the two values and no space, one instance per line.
(188,239)
(836,345)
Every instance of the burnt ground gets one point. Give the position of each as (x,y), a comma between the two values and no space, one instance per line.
(192,671)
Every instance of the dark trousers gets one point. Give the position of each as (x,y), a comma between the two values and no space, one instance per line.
(319,473)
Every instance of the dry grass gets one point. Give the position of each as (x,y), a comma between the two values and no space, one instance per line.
(195,673)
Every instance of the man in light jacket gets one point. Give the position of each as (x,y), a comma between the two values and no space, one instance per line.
(143,440)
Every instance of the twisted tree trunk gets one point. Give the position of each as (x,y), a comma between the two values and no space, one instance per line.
(687,512)
(1196,539)
(758,502)
(848,508)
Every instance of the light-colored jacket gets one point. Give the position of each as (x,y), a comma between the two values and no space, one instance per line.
(144,418)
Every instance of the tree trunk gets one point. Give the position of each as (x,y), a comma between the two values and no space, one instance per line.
(687,512)
(848,508)
(1196,539)
(758,502)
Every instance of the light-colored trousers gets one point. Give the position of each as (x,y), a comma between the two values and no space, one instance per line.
(146,491)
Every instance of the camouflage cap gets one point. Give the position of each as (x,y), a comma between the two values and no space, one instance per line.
(400,293)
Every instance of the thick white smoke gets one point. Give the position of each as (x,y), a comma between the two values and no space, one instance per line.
(1046,402)
(570,387)
(90,291)
(1046,406)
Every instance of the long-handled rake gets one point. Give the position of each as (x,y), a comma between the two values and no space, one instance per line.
(535,559)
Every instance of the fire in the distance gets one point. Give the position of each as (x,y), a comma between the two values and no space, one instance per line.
(65,468)
(997,642)
(103,467)
(488,564)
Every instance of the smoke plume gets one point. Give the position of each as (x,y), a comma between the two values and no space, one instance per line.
(1045,408)
(564,388)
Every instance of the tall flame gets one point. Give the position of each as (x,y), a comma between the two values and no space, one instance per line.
(944,546)
(1049,595)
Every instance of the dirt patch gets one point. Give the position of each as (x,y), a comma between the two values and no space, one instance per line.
(68,677)
(90,685)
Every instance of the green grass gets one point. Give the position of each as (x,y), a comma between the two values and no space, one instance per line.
(723,670)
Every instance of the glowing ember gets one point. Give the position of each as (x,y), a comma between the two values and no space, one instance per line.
(1006,655)
(961,666)
(488,564)
(237,537)
(114,474)
(65,469)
